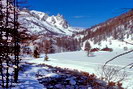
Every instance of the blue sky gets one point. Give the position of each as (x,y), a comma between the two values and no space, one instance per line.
(82,13)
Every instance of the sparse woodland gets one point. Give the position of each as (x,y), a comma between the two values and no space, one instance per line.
(111,28)
(9,43)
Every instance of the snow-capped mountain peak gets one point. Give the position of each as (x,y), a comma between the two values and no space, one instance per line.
(39,15)
(58,21)
(37,21)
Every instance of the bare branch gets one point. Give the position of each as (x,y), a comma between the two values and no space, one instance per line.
(128,43)
(117,57)
(131,64)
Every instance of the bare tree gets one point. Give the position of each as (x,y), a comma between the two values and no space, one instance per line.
(1,35)
(46,49)
(9,42)
(87,48)
(112,74)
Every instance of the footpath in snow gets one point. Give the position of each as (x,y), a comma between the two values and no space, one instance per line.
(42,76)
(27,78)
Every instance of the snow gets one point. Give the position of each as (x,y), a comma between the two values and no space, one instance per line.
(72,82)
(34,76)
(111,43)
(41,15)
(79,60)
(37,21)
(28,79)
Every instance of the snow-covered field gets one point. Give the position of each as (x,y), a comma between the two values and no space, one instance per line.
(79,60)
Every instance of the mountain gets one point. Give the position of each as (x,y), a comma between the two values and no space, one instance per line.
(42,28)
(39,22)
(115,33)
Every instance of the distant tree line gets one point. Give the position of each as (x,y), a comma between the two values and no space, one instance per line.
(57,44)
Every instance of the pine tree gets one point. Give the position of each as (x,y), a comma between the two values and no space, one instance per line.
(51,48)
(36,53)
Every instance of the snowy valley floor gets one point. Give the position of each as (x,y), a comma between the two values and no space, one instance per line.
(78,60)
(72,60)
(42,76)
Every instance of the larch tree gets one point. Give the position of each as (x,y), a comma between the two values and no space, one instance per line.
(46,49)
(87,48)
(9,42)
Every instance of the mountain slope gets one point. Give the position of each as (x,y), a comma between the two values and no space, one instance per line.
(39,22)
(116,32)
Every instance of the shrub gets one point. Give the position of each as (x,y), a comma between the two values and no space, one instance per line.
(46,58)
(125,48)
(112,73)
